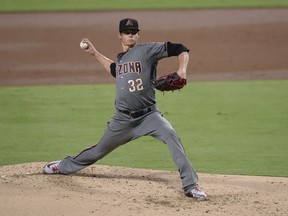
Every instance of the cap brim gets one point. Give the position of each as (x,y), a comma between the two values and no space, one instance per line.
(131,28)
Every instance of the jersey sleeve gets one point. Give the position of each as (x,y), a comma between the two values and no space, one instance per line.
(157,50)
(175,49)
(113,69)
(161,50)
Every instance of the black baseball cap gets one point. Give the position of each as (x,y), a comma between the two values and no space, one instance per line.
(128,24)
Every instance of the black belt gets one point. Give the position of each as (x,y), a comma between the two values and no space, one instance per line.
(136,114)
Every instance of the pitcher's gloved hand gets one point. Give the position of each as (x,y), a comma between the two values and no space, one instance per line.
(170,82)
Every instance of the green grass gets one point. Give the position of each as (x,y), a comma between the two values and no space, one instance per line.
(226,127)
(39,123)
(92,5)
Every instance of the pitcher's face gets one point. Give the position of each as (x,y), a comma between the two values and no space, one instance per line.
(129,38)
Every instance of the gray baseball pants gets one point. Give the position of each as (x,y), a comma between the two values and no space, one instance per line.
(123,128)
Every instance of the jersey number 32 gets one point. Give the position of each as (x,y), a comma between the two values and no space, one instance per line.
(136,85)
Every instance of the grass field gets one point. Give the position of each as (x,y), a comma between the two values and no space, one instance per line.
(226,127)
(92,5)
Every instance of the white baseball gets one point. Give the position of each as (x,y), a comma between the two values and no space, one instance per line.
(84,45)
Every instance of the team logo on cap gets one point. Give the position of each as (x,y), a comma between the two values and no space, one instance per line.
(129,22)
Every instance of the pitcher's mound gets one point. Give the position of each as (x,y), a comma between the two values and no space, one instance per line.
(106,190)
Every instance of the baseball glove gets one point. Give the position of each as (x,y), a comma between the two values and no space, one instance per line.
(170,82)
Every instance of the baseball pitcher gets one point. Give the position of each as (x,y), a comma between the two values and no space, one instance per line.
(136,114)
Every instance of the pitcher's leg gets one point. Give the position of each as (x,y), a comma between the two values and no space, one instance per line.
(158,127)
(113,137)
(187,174)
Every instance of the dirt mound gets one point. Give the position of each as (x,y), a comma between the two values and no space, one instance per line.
(106,190)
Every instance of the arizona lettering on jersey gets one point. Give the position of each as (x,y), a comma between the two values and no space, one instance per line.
(129,67)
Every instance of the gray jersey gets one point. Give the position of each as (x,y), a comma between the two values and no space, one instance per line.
(135,76)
